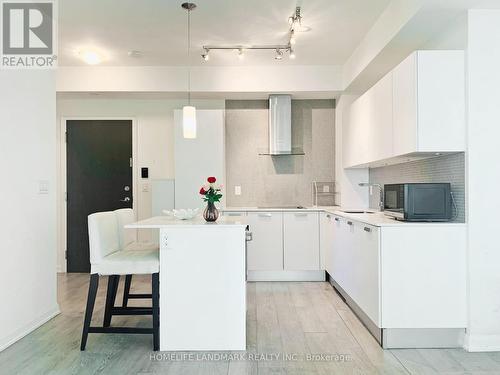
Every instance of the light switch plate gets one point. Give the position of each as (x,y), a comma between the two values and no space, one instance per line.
(145,188)
(326,189)
(237,190)
(43,187)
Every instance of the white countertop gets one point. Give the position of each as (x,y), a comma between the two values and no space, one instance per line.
(158,222)
(376,218)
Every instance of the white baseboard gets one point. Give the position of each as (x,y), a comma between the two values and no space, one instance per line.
(286,276)
(5,342)
(482,343)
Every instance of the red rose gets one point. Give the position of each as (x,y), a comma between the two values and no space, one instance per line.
(203,191)
(211,180)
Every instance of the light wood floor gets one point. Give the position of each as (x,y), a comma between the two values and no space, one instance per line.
(294,318)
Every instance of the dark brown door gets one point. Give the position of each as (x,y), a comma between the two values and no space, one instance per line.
(99,178)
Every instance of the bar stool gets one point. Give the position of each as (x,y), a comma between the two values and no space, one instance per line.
(128,241)
(106,258)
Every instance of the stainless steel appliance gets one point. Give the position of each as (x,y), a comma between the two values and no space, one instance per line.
(418,201)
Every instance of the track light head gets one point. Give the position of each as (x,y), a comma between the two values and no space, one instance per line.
(206,55)
(279,55)
(240,54)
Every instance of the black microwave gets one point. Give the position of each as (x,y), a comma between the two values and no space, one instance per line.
(418,202)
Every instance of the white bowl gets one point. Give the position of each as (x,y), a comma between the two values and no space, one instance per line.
(182,214)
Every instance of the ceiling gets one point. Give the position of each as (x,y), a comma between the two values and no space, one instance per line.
(158,28)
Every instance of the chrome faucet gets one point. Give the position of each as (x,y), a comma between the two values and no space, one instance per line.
(381,189)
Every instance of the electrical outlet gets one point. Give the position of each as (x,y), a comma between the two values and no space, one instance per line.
(326,188)
(237,190)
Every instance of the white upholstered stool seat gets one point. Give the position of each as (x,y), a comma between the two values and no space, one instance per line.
(113,254)
(128,262)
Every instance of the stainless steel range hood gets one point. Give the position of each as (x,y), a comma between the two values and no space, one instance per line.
(280,126)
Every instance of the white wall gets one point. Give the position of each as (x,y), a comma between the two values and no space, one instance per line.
(483,64)
(221,79)
(154,138)
(28,292)
(352,195)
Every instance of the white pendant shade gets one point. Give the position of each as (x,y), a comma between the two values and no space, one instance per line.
(189,121)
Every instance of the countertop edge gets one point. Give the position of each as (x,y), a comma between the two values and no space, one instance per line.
(387,222)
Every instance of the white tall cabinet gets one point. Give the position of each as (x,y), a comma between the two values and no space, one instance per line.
(196,159)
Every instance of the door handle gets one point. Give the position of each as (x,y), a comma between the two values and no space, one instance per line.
(337,219)
(265,215)
(126,199)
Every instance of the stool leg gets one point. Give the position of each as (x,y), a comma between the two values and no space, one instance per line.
(155,286)
(126,289)
(93,285)
(113,281)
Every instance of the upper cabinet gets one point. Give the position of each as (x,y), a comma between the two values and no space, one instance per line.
(415,111)
(370,125)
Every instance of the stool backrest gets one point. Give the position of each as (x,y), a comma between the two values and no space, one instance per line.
(103,235)
(125,216)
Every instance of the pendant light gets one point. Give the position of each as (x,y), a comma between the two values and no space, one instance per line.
(189,111)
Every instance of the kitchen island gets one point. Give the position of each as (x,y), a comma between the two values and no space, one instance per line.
(202,283)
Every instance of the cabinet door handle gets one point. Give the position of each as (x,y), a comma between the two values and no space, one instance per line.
(265,215)
(349,223)
(328,216)
(337,219)
(368,229)
(234,213)
(300,214)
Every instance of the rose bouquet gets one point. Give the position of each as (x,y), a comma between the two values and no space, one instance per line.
(211,193)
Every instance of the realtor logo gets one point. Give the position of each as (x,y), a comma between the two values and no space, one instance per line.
(28,34)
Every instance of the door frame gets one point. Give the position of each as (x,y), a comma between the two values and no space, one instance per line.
(62,185)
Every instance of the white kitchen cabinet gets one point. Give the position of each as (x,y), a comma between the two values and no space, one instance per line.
(326,228)
(429,103)
(191,170)
(423,279)
(301,241)
(265,251)
(396,276)
(414,112)
(365,281)
(336,265)
(369,131)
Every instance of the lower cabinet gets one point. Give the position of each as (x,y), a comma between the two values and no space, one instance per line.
(355,263)
(265,251)
(396,276)
(326,223)
(301,241)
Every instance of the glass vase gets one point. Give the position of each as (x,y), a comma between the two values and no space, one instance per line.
(210,213)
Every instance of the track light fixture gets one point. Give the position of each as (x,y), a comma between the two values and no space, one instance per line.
(206,55)
(295,25)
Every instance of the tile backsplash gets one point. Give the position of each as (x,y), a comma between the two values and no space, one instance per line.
(449,168)
(277,180)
